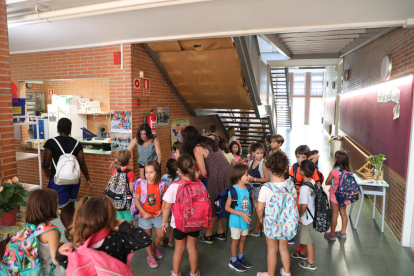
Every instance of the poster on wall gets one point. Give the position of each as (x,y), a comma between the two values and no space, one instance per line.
(177,127)
(121,129)
(163,115)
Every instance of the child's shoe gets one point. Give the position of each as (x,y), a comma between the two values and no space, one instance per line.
(197,273)
(340,234)
(307,265)
(253,233)
(172,273)
(262,274)
(237,266)
(292,241)
(152,262)
(283,273)
(244,262)
(157,253)
(329,236)
(297,255)
(218,236)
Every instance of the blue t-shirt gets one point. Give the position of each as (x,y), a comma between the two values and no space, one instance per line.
(243,205)
(168,180)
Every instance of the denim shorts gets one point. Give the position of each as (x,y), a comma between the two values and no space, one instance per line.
(149,223)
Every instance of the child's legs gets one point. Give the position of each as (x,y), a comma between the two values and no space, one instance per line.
(158,237)
(171,234)
(234,245)
(209,231)
(178,253)
(235,236)
(149,248)
(147,225)
(310,248)
(241,243)
(220,229)
(334,221)
(284,255)
(272,248)
(344,216)
(192,251)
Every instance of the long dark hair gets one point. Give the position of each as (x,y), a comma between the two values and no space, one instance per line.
(238,145)
(191,137)
(342,161)
(171,169)
(187,165)
(147,130)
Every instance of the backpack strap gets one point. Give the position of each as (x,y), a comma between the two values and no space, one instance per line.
(144,191)
(261,168)
(295,170)
(310,185)
(234,197)
(161,189)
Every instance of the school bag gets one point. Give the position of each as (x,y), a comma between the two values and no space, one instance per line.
(221,199)
(348,190)
(281,214)
(296,167)
(22,255)
(144,193)
(192,207)
(67,168)
(118,190)
(86,261)
(323,213)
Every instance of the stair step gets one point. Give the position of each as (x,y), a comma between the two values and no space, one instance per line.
(237,117)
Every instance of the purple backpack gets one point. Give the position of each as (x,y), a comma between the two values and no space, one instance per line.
(144,194)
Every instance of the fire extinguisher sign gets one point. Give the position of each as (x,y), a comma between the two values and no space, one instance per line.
(145,86)
(137,86)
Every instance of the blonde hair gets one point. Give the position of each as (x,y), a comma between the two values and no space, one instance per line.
(122,157)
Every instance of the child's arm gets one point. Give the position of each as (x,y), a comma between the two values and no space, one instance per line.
(243,215)
(140,208)
(259,210)
(328,181)
(265,179)
(130,187)
(52,238)
(303,208)
(166,207)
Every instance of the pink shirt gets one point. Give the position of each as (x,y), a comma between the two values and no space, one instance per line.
(335,180)
(237,158)
(170,196)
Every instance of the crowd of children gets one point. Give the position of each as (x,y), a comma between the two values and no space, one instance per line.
(262,180)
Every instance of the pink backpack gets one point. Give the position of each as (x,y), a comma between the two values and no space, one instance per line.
(192,207)
(144,193)
(86,261)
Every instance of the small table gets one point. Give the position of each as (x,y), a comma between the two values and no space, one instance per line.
(6,232)
(369,187)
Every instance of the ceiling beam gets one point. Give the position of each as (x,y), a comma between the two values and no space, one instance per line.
(317,38)
(308,34)
(315,55)
(324,42)
(274,41)
(304,62)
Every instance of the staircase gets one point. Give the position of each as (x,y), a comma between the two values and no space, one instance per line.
(281,91)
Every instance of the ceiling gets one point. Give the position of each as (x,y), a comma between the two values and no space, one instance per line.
(205,19)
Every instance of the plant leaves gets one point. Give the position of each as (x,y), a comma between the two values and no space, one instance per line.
(1,211)
(21,203)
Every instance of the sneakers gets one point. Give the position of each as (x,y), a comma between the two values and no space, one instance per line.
(157,253)
(221,236)
(197,273)
(244,262)
(292,241)
(172,273)
(152,262)
(237,266)
(253,233)
(307,265)
(283,273)
(297,255)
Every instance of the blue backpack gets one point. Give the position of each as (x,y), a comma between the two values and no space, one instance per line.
(348,189)
(221,199)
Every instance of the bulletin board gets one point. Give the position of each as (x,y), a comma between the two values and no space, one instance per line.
(371,123)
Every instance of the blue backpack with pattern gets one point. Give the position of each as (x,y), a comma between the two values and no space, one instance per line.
(348,190)
(281,214)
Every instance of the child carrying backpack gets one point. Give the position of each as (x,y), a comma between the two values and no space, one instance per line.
(32,251)
(191,207)
(102,245)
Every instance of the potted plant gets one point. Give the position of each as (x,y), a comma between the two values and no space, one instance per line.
(377,161)
(11,196)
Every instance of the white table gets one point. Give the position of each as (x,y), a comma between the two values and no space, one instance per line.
(369,187)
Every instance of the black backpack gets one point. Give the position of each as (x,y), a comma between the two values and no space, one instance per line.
(323,213)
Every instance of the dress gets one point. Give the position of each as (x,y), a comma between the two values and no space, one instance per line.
(218,173)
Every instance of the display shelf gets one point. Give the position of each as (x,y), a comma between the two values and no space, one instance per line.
(97,114)
(25,155)
(24,123)
(31,187)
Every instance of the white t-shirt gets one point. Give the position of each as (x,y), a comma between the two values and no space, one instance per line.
(170,196)
(307,196)
(266,194)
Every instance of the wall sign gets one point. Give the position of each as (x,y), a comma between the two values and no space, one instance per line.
(51,92)
(177,127)
(137,86)
(145,86)
(163,115)
(121,129)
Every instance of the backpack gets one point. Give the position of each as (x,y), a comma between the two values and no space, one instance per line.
(221,199)
(22,255)
(144,193)
(215,137)
(118,190)
(67,168)
(296,167)
(348,190)
(86,261)
(323,213)
(192,207)
(281,215)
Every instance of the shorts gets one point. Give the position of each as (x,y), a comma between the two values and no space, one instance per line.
(126,215)
(141,166)
(236,233)
(205,182)
(305,236)
(256,192)
(149,223)
(67,193)
(332,196)
(178,235)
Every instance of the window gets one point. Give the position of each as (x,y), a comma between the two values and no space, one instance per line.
(298,111)
(316,84)
(315,111)
(299,84)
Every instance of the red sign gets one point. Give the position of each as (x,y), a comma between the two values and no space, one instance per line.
(51,92)
(145,86)
(137,86)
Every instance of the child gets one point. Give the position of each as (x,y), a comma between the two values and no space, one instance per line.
(95,215)
(187,171)
(239,220)
(268,147)
(276,141)
(341,163)
(235,149)
(148,197)
(170,176)
(229,156)
(259,174)
(122,158)
(42,207)
(232,134)
(213,134)
(307,204)
(278,164)
(176,149)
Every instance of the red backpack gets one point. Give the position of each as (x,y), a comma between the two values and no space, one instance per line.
(192,207)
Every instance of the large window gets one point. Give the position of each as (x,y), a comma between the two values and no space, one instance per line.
(316,84)
(298,111)
(299,84)
(315,111)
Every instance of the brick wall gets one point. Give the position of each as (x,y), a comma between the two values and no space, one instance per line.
(7,151)
(365,70)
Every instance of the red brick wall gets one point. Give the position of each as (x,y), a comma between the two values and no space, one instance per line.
(365,70)
(7,151)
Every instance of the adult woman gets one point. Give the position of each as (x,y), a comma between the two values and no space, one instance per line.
(53,151)
(148,148)
(211,163)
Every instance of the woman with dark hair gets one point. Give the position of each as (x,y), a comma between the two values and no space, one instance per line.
(211,163)
(54,148)
(148,148)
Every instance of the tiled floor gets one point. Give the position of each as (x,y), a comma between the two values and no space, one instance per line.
(366,252)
